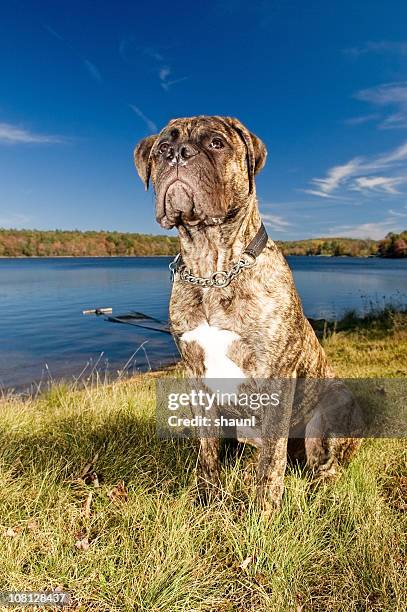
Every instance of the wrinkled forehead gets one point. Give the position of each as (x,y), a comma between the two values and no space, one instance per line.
(191,127)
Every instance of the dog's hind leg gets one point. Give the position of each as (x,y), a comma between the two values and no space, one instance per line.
(332,435)
(326,455)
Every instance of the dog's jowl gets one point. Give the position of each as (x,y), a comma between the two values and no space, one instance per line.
(234,308)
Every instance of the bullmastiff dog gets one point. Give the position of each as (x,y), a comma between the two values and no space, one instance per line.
(234,309)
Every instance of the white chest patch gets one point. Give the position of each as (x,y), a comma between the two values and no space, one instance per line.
(215,343)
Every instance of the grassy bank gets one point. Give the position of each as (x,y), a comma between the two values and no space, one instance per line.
(90,501)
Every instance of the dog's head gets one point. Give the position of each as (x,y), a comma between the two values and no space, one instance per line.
(202,169)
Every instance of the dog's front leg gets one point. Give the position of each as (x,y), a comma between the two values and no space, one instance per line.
(270,474)
(272,458)
(208,469)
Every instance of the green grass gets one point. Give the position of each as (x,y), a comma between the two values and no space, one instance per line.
(372,346)
(153,547)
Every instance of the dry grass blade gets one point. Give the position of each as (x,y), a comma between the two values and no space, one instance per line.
(88,502)
(87,470)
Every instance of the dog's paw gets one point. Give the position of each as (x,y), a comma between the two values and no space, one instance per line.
(269,499)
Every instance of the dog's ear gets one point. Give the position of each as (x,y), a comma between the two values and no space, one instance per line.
(142,158)
(260,153)
(255,149)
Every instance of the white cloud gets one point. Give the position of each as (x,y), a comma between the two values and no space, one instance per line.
(163,74)
(13,134)
(392,95)
(154,54)
(150,124)
(362,119)
(399,154)
(387,93)
(379,47)
(397,213)
(355,175)
(90,66)
(130,51)
(378,183)
(315,192)
(92,70)
(279,224)
(14,220)
(53,32)
(373,230)
(335,177)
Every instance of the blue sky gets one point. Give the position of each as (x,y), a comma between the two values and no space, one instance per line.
(324,84)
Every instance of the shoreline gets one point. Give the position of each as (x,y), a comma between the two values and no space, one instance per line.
(383,322)
(171,256)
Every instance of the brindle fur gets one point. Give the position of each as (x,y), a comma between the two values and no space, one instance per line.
(208,193)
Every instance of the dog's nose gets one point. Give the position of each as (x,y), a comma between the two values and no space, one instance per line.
(180,154)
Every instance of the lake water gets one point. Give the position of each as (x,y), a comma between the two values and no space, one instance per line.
(44,336)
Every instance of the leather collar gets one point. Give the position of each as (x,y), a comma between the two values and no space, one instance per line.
(222,278)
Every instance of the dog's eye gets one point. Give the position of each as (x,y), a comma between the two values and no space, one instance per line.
(216,143)
(163,148)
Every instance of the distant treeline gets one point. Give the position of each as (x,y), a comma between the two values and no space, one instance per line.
(59,243)
(393,245)
(352,247)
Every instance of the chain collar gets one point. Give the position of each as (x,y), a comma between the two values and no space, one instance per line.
(224,277)
(217,279)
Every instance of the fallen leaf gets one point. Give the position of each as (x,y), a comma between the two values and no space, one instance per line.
(245,564)
(32,524)
(119,493)
(262,579)
(10,532)
(82,544)
(94,480)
